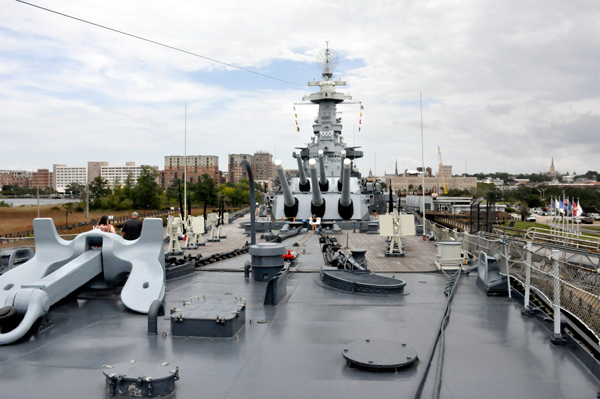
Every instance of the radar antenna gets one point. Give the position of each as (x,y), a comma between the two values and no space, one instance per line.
(327,60)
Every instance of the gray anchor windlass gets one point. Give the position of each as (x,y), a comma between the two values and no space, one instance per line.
(60,267)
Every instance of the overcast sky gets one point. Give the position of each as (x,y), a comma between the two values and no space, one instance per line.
(506,84)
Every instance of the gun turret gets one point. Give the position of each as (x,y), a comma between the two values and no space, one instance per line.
(290,203)
(340,181)
(345,205)
(317,205)
(323,182)
(304,183)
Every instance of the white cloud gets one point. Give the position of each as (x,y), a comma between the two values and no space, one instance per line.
(512,83)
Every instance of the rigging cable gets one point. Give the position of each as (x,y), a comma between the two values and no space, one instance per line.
(159,44)
(449,290)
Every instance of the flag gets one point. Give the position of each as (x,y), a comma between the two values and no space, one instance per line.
(362,107)
(575,208)
(296,115)
(561,206)
(557,204)
(360,121)
(361,114)
(551,203)
(579,209)
(294,108)
(359,128)
(297,128)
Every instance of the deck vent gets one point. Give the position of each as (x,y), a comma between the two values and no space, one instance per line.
(140,379)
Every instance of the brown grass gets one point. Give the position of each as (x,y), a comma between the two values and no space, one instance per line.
(20,218)
(15,219)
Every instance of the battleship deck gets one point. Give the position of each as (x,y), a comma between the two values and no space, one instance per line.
(420,255)
(294,350)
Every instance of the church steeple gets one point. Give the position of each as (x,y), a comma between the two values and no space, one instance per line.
(396,167)
(552,166)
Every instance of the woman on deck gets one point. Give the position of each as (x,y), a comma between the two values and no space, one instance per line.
(104,226)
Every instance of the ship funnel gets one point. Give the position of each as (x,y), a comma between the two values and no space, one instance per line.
(345,205)
(343,155)
(290,208)
(304,183)
(323,182)
(317,205)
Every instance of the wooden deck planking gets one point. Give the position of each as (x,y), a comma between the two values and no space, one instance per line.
(420,255)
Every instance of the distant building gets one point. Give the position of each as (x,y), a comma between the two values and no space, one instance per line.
(235,169)
(414,178)
(120,173)
(63,175)
(262,166)
(197,165)
(94,169)
(42,179)
(19,177)
(552,172)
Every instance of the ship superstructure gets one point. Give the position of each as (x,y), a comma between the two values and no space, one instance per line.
(328,184)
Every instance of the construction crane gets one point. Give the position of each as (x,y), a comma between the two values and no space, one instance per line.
(444,185)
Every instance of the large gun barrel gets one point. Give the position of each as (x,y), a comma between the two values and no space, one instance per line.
(290,203)
(341,179)
(304,184)
(345,205)
(317,205)
(323,182)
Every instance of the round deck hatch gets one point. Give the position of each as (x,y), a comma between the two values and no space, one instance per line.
(379,355)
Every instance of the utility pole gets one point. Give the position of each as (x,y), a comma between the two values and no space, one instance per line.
(422,162)
(38,192)
(185,168)
(87,202)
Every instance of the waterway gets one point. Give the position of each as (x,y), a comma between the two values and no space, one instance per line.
(33,201)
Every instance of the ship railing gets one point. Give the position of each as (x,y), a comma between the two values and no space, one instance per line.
(572,239)
(565,276)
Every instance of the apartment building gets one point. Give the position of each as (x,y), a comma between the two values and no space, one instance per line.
(235,169)
(63,175)
(197,165)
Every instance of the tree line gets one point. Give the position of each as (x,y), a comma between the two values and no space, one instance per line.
(146,193)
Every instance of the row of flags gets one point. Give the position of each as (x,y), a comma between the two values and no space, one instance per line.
(570,207)
(359,121)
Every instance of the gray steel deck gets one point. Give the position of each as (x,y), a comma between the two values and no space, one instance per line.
(491,350)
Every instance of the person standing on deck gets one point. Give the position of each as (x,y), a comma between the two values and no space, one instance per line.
(132,229)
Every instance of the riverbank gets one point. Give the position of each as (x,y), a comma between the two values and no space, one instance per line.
(19,219)
(33,201)
(14,219)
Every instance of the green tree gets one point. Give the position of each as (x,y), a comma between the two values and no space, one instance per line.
(128,188)
(147,190)
(524,211)
(75,188)
(98,188)
(206,191)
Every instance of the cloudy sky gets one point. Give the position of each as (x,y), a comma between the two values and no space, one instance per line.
(506,84)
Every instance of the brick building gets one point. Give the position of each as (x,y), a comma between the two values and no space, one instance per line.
(235,169)
(262,166)
(42,178)
(197,165)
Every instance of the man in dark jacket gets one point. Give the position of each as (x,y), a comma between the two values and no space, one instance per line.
(132,229)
